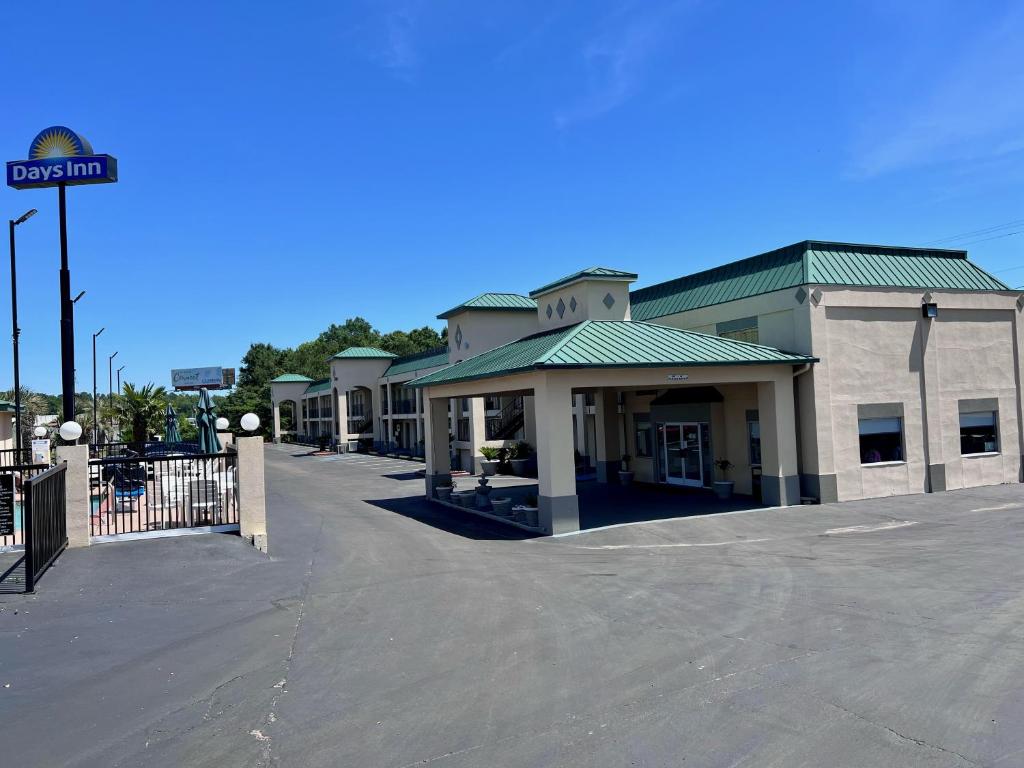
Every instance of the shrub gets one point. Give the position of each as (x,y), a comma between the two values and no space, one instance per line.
(521,450)
(490,452)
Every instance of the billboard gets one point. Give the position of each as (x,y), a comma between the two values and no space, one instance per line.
(59,156)
(213,377)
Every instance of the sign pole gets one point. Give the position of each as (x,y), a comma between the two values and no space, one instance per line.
(67,317)
(17,364)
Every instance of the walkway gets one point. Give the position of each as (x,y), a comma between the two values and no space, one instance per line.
(390,633)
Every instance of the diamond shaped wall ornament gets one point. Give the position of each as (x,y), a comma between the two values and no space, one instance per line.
(572,304)
(816,295)
(561,308)
(609,300)
(801,294)
(458,337)
(1020,303)
(550,311)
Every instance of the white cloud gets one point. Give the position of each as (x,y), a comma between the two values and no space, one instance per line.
(972,113)
(617,59)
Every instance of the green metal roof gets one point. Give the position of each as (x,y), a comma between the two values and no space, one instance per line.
(418,362)
(362,353)
(814,262)
(591,273)
(498,302)
(290,378)
(323,385)
(610,344)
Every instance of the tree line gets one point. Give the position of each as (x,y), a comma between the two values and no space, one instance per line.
(265,362)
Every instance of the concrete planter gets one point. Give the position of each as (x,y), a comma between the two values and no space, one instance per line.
(502,505)
(444,492)
(520,467)
(525,515)
(489,468)
(723,488)
(464,498)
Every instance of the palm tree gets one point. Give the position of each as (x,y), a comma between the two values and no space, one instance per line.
(32,404)
(143,409)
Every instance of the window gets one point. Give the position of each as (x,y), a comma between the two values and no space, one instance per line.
(642,435)
(754,438)
(979,432)
(881,439)
(743,329)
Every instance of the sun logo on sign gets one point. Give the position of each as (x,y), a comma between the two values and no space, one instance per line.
(57,142)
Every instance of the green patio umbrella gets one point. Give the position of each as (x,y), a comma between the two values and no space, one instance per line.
(206,422)
(171,433)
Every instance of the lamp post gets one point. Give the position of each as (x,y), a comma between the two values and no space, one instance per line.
(95,422)
(15,331)
(118,372)
(73,302)
(110,388)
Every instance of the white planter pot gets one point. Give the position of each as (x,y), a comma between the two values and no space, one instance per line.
(488,467)
(520,466)
(502,506)
(444,492)
(723,488)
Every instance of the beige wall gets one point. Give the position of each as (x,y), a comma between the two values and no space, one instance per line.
(876,348)
(589,295)
(483,330)
(6,430)
(780,319)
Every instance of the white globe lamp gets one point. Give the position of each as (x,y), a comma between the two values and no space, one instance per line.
(222,424)
(250,422)
(39,431)
(71,431)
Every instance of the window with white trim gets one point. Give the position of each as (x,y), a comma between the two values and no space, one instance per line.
(979,432)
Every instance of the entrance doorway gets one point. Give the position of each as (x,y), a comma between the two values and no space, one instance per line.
(683,453)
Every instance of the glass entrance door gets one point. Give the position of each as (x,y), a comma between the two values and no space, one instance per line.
(683,456)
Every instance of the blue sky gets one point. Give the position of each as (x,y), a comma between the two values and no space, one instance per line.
(286,166)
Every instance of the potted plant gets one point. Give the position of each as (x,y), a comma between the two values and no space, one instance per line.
(519,457)
(489,466)
(625,474)
(501,506)
(723,488)
(323,441)
(526,512)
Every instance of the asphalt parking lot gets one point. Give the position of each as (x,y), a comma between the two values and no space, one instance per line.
(385,631)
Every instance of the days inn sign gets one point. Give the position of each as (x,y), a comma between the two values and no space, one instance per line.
(59,156)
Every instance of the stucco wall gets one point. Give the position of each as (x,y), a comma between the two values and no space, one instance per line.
(589,295)
(483,330)
(876,348)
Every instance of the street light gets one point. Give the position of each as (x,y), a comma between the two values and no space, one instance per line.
(80,295)
(95,422)
(15,331)
(110,388)
(118,372)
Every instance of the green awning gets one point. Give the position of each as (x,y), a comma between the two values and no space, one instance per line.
(610,344)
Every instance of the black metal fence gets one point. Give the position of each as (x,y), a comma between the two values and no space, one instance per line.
(108,450)
(11,457)
(156,492)
(17,477)
(46,534)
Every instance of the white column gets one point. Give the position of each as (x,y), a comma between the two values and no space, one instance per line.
(76,493)
(418,421)
(438,470)
(277,421)
(780,483)
(341,411)
(556,467)
(606,422)
(477,431)
(579,410)
(252,494)
(391,418)
(529,421)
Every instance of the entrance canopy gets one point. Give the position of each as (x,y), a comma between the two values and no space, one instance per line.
(608,359)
